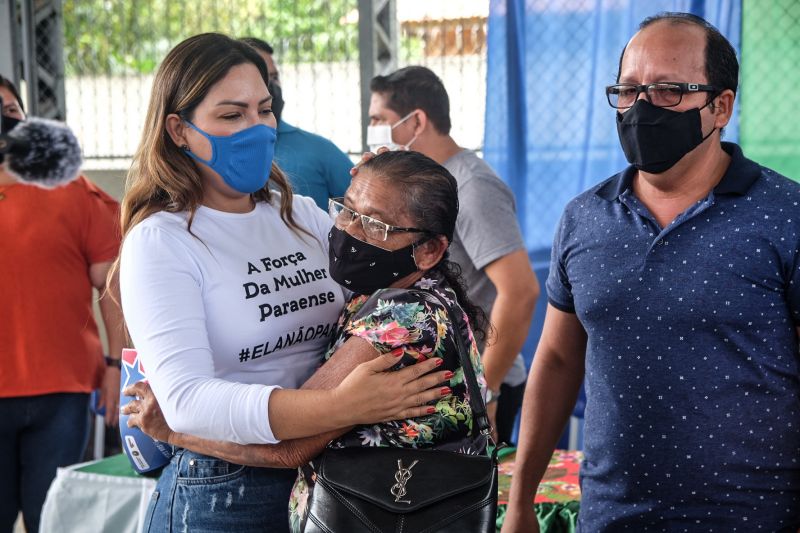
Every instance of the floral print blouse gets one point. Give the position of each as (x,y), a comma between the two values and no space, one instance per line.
(417,324)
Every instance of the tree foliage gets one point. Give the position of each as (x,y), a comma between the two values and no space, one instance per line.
(114,37)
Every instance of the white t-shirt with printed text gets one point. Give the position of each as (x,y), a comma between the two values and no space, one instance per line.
(225,314)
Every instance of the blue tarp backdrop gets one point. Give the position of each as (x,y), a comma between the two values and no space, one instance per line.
(550,132)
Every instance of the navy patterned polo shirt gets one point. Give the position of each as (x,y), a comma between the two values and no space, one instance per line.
(693,399)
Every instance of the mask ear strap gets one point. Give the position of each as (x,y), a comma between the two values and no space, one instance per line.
(419,242)
(423,240)
(204,134)
(711,105)
(710,102)
(408,116)
(407,146)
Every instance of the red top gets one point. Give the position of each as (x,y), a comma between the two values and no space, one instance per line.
(48,239)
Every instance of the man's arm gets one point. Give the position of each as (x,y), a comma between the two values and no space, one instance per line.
(553,384)
(517,291)
(113,324)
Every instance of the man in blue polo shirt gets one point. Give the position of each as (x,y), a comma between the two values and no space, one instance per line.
(314,165)
(675,289)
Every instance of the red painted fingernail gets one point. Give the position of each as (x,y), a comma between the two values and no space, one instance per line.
(439,361)
(445,391)
(430,410)
(397,352)
(448,375)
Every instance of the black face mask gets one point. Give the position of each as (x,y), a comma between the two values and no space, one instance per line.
(364,268)
(655,138)
(277,99)
(7,124)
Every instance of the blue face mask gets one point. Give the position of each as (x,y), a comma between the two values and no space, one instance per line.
(243,159)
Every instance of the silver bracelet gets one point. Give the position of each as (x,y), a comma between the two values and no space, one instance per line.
(491,395)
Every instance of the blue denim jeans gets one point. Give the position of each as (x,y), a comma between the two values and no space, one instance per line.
(37,435)
(198,493)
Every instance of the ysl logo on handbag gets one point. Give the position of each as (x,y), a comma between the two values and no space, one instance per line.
(402,476)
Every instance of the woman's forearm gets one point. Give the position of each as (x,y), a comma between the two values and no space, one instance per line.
(287,454)
(293,452)
(356,389)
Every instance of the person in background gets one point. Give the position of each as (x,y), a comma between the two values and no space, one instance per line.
(675,288)
(228,296)
(413,103)
(58,245)
(314,165)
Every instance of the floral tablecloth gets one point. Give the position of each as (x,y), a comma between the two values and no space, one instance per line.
(558,499)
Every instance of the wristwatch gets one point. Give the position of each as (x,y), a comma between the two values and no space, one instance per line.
(491,395)
(116,363)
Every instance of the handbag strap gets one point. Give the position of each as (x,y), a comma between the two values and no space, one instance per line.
(476,402)
(475,398)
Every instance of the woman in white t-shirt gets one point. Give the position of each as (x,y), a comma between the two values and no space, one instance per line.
(227,295)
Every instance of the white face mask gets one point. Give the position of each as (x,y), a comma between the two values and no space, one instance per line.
(381,135)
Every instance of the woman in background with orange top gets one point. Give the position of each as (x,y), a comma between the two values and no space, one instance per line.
(57,245)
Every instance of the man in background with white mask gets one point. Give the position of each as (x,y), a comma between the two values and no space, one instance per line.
(410,110)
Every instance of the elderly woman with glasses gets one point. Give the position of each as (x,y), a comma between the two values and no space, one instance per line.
(391,231)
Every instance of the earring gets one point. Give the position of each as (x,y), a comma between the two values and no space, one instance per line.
(185,147)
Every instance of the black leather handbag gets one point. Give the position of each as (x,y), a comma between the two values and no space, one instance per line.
(404,490)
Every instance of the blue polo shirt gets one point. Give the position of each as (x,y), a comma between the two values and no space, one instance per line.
(314,165)
(693,400)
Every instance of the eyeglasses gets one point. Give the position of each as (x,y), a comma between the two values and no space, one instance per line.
(373,228)
(662,94)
